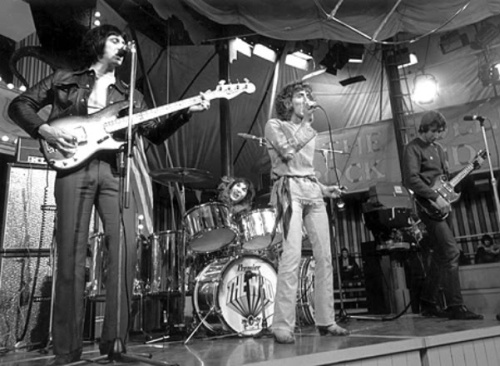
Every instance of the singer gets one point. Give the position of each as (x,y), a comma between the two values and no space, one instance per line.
(297,196)
(97,182)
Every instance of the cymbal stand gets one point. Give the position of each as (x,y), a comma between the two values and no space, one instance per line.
(212,310)
(181,270)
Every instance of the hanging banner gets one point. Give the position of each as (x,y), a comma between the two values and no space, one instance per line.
(367,154)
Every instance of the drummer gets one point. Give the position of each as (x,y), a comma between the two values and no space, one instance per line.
(238,194)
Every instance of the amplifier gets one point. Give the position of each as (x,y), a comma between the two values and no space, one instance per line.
(28,151)
(25,292)
(30,208)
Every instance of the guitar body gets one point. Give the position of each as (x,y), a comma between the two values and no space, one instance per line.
(91,138)
(94,133)
(445,190)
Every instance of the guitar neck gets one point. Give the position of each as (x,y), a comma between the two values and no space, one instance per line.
(114,125)
(463,173)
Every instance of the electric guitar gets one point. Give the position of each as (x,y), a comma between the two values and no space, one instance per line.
(94,132)
(446,189)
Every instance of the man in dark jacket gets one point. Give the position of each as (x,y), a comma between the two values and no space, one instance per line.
(76,96)
(424,162)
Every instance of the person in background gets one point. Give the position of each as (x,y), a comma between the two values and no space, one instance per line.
(349,269)
(297,196)
(424,161)
(82,93)
(487,251)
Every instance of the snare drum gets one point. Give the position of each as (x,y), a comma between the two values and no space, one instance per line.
(305,292)
(257,227)
(233,294)
(209,227)
(165,256)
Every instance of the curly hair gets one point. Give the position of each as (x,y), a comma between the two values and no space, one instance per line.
(228,183)
(283,109)
(93,43)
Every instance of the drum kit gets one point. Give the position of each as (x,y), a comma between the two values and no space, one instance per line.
(227,265)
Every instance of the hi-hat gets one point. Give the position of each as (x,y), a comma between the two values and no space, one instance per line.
(182,175)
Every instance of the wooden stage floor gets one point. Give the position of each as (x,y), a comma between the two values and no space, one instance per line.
(410,340)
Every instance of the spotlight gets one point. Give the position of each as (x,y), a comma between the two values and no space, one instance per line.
(425,89)
(453,41)
(265,52)
(490,74)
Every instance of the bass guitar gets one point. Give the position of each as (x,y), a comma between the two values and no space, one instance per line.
(94,132)
(446,189)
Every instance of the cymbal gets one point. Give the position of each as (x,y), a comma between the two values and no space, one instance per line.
(182,175)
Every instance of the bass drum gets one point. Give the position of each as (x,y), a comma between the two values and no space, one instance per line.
(305,292)
(236,294)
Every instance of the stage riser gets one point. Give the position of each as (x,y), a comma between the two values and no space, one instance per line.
(481,288)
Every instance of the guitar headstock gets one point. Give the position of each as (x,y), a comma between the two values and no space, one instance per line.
(480,157)
(230,91)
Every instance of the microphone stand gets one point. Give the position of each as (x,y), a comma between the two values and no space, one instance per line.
(118,351)
(492,175)
(342,316)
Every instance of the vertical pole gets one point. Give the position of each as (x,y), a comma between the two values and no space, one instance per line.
(226,147)
(395,98)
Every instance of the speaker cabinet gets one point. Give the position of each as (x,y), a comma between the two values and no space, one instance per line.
(25,292)
(29,210)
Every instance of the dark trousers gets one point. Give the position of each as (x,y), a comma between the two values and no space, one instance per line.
(443,268)
(76,194)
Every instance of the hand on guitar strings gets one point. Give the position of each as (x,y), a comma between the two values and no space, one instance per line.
(58,137)
(443,205)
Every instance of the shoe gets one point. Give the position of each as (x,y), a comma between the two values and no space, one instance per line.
(333,330)
(432,311)
(461,312)
(65,359)
(283,336)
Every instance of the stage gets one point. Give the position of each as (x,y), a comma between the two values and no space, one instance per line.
(409,340)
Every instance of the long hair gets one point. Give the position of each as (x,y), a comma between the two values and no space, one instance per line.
(93,43)
(283,99)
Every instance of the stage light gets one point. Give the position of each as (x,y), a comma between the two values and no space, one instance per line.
(5,138)
(22,88)
(453,41)
(318,71)
(490,74)
(298,61)
(412,60)
(265,52)
(352,80)
(238,45)
(425,89)
(336,58)
(356,53)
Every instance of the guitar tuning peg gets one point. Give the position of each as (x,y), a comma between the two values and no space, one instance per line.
(222,82)
(246,80)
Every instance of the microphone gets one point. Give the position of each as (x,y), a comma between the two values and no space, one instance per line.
(474,117)
(128,47)
(311,104)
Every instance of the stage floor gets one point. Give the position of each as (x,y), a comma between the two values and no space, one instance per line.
(369,340)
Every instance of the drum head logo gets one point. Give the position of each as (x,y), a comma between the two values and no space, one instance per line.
(250,294)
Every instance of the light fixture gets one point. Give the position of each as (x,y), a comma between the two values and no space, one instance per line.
(237,45)
(335,59)
(352,80)
(298,61)
(490,74)
(425,88)
(355,53)
(412,60)
(265,52)
(453,41)
(318,71)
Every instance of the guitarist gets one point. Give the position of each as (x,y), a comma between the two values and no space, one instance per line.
(424,162)
(82,93)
